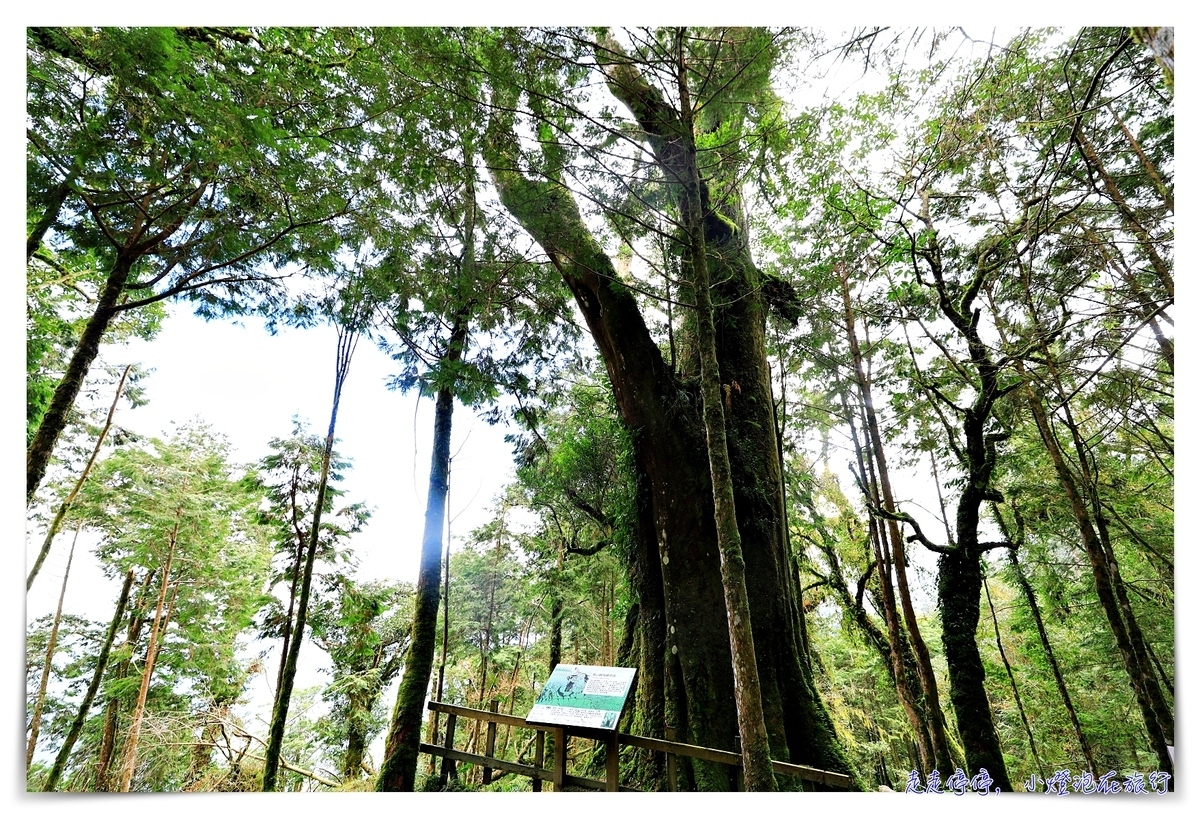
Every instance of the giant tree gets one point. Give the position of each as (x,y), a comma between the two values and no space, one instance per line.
(658,397)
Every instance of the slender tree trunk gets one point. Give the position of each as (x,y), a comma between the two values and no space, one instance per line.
(83,476)
(347,341)
(1035,609)
(297,572)
(51,644)
(398,773)
(1147,165)
(441,677)
(932,710)
(1155,714)
(157,630)
(756,752)
(64,753)
(893,643)
(112,710)
(1012,681)
(1147,244)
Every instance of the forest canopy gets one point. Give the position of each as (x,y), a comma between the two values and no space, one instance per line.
(837,369)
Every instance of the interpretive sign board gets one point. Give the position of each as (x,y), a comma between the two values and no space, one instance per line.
(583,696)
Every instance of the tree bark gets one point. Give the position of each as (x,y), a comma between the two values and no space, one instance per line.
(64,753)
(660,409)
(55,419)
(161,620)
(347,340)
(51,644)
(83,476)
(398,773)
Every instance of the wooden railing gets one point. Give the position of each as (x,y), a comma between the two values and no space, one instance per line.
(556,774)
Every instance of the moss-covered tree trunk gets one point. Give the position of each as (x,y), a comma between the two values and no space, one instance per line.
(37,456)
(756,753)
(398,773)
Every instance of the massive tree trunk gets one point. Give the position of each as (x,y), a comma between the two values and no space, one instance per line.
(398,773)
(661,410)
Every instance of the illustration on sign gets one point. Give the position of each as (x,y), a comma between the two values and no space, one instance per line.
(583,696)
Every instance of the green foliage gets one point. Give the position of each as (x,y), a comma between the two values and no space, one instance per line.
(365,630)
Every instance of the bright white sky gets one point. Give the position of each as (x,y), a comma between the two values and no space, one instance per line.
(248,385)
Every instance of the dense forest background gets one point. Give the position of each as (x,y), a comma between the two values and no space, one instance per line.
(837,370)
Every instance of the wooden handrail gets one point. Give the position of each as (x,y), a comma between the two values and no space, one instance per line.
(672,748)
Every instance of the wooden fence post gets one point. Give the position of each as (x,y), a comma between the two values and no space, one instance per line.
(539,754)
(448,768)
(490,744)
(671,784)
(433,736)
(560,758)
(612,763)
